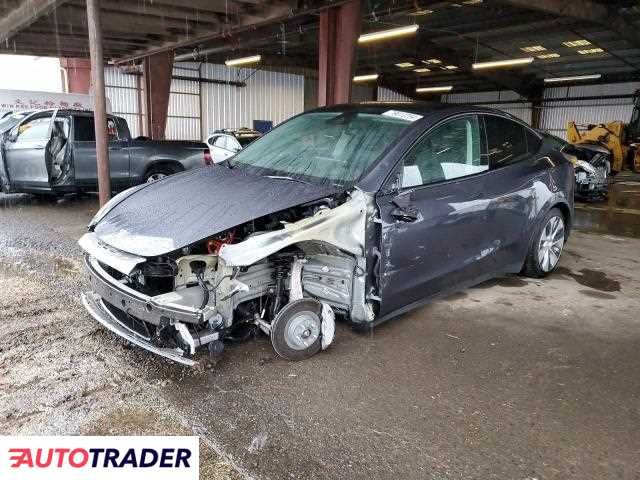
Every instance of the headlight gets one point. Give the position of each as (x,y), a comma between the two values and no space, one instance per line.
(586,166)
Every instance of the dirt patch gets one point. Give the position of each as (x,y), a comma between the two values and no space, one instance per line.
(596,294)
(509,282)
(592,278)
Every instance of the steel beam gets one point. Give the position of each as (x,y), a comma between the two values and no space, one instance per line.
(157,71)
(337,37)
(28,12)
(99,100)
(585,10)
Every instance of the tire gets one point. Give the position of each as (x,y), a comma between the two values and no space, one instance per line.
(547,245)
(296,332)
(158,172)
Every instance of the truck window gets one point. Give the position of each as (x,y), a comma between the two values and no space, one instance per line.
(84,129)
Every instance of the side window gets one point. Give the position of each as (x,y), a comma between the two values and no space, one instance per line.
(450,151)
(232,144)
(84,129)
(35,130)
(221,141)
(533,142)
(506,141)
(211,140)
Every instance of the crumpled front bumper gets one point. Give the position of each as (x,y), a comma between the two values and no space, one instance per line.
(98,310)
(108,295)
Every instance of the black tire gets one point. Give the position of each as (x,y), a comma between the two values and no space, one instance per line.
(533,265)
(163,170)
(305,309)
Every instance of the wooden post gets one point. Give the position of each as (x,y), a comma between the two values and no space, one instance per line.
(99,100)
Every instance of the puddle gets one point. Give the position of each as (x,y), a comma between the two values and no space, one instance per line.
(592,279)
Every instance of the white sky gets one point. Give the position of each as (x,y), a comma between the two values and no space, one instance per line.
(21,72)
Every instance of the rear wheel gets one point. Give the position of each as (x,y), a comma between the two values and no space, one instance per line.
(546,248)
(158,172)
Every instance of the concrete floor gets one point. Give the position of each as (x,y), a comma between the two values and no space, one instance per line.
(515,378)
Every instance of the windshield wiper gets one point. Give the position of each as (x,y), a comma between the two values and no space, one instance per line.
(291,179)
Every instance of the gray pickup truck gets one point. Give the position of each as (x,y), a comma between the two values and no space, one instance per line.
(54,152)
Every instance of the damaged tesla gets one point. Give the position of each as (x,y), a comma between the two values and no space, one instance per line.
(360,212)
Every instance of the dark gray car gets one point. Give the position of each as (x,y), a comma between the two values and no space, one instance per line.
(361,211)
(54,151)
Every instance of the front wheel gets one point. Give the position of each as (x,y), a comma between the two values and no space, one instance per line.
(546,248)
(296,330)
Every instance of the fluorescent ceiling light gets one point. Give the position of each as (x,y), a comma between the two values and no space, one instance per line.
(451,67)
(503,63)
(365,78)
(434,89)
(405,64)
(533,48)
(243,61)
(472,2)
(435,61)
(386,34)
(422,70)
(576,78)
(589,51)
(544,56)
(577,43)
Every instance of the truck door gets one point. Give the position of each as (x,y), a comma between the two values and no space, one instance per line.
(25,152)
(84,148)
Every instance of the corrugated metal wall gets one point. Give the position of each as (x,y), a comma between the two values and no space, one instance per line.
(521,110)
(271,96)
(386,95)
(184,115)
(555,115)
(124,92)
(196,109)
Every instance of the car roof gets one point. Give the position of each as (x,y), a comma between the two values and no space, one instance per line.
(413,107)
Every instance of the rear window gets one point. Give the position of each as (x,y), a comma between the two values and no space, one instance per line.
(84,129)
(506,141)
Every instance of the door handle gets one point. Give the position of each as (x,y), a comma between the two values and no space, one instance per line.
(405,214)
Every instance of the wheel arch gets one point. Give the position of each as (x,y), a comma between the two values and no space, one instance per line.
(175,165)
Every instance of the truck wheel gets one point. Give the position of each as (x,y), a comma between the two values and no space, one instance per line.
(297,329)
(156,173)
(546,248)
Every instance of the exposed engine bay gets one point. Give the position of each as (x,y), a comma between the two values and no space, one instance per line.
(592,168)
(286,274)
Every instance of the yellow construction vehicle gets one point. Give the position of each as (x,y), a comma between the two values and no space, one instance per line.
(621,139)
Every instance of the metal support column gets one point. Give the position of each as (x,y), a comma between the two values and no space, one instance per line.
(99,100)
(337,38)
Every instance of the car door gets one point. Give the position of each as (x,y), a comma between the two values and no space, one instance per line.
(434,231)
(517,171)
(84,148)
(222,151)
(25,152)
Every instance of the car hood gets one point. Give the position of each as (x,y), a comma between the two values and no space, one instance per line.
(182,209)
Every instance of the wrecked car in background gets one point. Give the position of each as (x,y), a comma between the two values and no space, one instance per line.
(592,164)
(54,152)
(360,211)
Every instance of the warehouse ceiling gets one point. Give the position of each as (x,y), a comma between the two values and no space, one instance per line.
(564,38)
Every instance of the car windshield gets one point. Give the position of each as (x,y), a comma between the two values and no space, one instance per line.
(323,147)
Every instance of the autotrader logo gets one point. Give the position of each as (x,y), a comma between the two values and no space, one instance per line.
(70,458)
